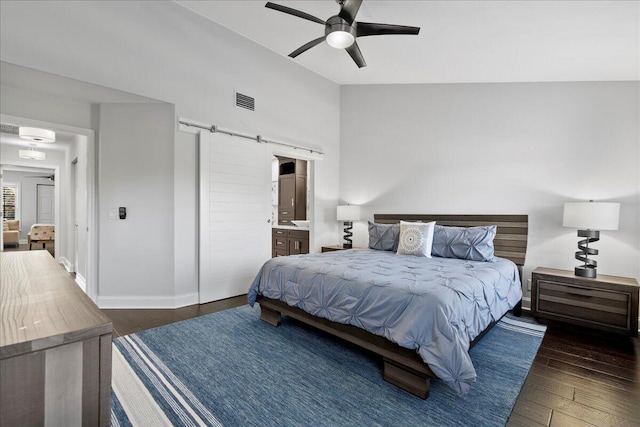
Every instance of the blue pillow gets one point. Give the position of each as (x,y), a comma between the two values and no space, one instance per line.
(470,243)
(384,237)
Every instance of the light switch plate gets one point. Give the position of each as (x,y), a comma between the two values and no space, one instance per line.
(113,213)
(529,285)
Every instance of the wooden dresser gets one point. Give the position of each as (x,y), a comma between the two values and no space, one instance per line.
(608,303)
(55,346)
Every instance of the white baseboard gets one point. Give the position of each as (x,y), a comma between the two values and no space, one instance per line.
(67,264)
(81,282)
(526,303)
(167,302)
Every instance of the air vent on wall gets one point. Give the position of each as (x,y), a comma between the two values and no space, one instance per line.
(9,129)
(245,101)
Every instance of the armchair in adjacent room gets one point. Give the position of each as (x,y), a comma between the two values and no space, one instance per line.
(11,232)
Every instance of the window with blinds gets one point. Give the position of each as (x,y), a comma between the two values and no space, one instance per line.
(9,201)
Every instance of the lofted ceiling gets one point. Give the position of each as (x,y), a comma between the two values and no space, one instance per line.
(459,41)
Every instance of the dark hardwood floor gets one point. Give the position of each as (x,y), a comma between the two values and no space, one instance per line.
(127,322)
(579,377)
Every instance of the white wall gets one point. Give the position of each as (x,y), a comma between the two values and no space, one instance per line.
(138,138)
(499,148)
(162,51)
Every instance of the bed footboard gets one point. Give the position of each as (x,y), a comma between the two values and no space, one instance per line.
(402,367)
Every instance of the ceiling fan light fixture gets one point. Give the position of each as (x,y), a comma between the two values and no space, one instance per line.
(37,134)
(32,154)
(340,39)
(338,33)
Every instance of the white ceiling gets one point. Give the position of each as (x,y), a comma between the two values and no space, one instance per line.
(459,41)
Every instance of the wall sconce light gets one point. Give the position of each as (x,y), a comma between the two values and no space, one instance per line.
(348,214)
(589,218)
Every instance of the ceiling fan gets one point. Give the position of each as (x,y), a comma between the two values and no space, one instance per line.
(49,177)
(341,30)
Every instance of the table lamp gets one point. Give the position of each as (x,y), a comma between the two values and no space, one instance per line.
(348,214)
(589,218)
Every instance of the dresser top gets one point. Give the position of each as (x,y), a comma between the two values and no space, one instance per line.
(41,306)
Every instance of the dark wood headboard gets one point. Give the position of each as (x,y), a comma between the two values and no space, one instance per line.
(511,237)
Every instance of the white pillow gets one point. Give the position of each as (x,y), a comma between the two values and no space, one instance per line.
(416,238)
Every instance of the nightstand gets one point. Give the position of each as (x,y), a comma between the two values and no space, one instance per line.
(334,248)
(608,303)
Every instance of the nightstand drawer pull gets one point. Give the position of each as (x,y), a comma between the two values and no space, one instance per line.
(574,294)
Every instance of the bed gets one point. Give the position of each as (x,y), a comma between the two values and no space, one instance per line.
(420,314)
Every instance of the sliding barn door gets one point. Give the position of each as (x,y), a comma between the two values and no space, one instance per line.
(235,212)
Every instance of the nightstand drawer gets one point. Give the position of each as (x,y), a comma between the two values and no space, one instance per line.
(605,307)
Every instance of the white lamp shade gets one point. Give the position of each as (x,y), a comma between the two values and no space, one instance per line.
(340,39)
(36,134)
(348,213)
(591,215)
(32,154)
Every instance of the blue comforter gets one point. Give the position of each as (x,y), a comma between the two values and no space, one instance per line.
(436,306)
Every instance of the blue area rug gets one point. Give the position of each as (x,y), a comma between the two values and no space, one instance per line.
(231,369)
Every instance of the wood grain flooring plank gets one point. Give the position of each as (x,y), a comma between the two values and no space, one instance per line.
(551,385)
(605,368)
(532,411)
(617,403)
(596,354)
(574,409)
(587,339)
(598,377)
(558,419)
(519,421)
(578,382)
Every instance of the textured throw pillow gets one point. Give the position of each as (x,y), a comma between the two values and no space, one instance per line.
(471,243)
(416,238)
(383,237)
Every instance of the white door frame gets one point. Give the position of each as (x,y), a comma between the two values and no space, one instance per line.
(92,200)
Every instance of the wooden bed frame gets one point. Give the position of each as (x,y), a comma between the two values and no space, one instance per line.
(404,367)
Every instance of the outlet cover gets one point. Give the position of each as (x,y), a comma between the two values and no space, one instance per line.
(529,285)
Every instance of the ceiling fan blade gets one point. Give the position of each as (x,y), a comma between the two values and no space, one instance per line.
(294,12)
(306,47)
(356,55)
(372,29)
(349,10)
